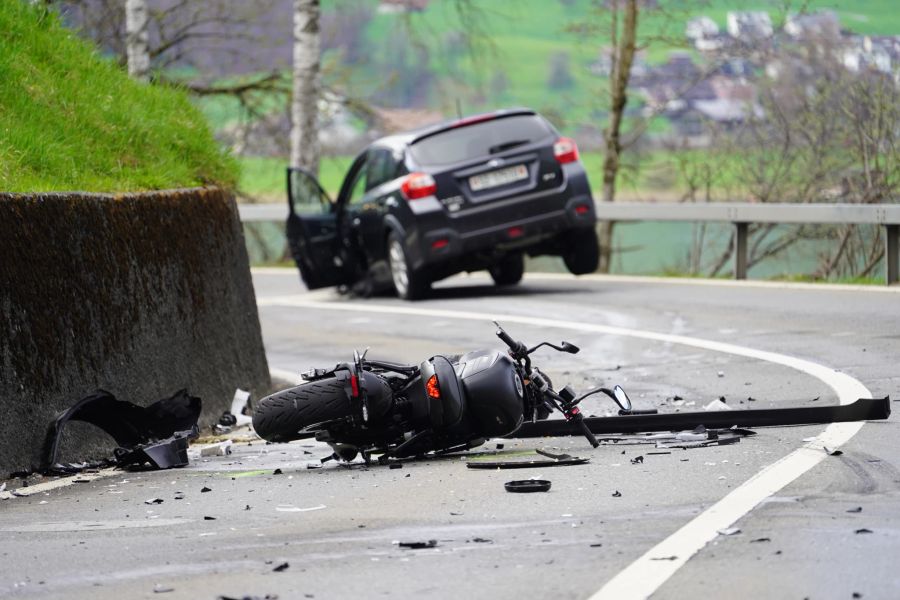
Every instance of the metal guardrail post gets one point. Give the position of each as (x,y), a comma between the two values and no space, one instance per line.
(891,254)
(740,250)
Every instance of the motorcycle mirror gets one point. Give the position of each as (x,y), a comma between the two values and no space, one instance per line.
(570,348)
(621,398)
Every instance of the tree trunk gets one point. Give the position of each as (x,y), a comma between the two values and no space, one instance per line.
(304,103)
(622,59)
(137,39)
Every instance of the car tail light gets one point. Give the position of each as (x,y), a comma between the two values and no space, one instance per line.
(565,150)
(474,119)
(432,388)
(582,209)
(418,185)
(441,243)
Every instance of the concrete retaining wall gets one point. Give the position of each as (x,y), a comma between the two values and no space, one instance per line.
(139,294)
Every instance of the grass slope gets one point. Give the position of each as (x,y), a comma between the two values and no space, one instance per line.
(72,120)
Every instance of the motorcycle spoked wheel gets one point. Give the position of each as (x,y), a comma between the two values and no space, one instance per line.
(299,412)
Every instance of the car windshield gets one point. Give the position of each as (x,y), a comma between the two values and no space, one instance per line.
(479,139)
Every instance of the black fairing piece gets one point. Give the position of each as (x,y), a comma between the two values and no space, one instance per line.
(132,426)
(447,411)
(493,394)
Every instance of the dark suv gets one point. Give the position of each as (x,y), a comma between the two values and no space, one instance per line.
(470,194)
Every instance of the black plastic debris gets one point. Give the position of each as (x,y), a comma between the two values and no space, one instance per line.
(209,518)
(863,530)
(597,545)
(239,414)
(282,567)
(418,545)
(481,540)
(760,540)
(525,486)
(266,597)
(157,434)
(617,494)
(204,489)
(154,501)
(857,509)
(556,460)
(396,465)
(637,460)
(277,472)
(864,409)
(664,558)
(831,452)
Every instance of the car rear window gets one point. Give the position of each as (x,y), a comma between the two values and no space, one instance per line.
(479,139)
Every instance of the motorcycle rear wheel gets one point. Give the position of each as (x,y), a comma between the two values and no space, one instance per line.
(295,413)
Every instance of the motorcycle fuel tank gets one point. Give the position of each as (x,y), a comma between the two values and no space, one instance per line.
(493,389)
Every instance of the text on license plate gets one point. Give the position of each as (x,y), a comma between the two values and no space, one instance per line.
(498,178)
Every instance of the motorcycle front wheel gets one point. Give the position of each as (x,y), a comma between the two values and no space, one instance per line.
(294,413)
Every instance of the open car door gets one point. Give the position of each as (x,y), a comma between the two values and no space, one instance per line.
(312,232)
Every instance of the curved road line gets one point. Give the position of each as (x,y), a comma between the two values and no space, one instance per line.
(645,575)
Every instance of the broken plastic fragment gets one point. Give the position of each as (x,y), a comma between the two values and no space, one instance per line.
(282,567)
(418,545)
(729,531)
(857,509)
(863,530)
(637,460)
(205,489)
(717,405)
(762,539)
(617,494)
(154,501)
(292,508)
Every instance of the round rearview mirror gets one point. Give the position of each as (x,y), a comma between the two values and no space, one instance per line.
(622,398)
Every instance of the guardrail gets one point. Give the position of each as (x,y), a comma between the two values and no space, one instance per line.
(739,214)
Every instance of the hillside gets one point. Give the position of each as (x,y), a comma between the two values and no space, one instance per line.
(73,120)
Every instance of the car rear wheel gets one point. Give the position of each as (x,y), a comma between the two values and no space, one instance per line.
(408,282)
(583,253)
(508,270)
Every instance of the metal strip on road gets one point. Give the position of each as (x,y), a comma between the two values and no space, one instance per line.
(646,574)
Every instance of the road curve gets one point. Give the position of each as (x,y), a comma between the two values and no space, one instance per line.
(750,321)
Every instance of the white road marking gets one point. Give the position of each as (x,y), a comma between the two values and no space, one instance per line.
(645,575)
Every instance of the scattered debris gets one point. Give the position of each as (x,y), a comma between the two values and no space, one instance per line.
(266,597)
(617,494)
(831,452)
(500,446)
(292,508)
(717,405)
(157,434)
(863,530)
(556,460)
(204,489)
(637,460)
(597,545)
(527,485)
(396,465)
(238,416)
(762,539)
(209,518)
(657,453)
(277,472)
(664,558)
(480,540)
(162,589)
(729,531)
(282,567)
(418,545)
(857,509)
(222,448)
(154,501)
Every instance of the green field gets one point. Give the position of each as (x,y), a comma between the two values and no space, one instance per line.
(520,40)
(72,120)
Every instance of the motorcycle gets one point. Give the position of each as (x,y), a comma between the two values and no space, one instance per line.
(443,405)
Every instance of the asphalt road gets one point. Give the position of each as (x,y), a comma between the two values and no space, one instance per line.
(336,527)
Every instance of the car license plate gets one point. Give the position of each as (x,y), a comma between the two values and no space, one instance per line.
(498,178)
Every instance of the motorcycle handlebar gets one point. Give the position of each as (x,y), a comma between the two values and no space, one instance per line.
(515,346)
(587,432)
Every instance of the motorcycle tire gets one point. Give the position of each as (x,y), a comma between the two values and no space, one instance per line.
(292,414)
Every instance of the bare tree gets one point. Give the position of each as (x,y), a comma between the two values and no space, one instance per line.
(137,39)
(304,102)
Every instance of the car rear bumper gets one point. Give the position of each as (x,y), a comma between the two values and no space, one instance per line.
(509,234)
